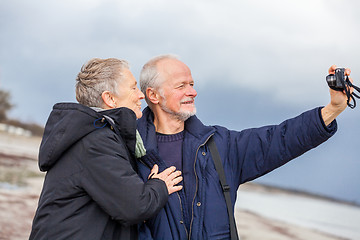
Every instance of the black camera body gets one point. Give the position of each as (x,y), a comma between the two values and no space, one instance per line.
(337,81)
(340,82)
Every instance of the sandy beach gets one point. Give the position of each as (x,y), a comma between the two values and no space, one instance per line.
(21,182)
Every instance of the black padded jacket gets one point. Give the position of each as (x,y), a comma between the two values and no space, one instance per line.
(91,189)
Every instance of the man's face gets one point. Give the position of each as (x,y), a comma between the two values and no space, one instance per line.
(129,93)
(177,91)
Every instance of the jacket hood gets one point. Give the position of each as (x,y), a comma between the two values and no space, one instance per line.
(70,122)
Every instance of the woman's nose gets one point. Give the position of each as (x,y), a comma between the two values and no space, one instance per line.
(141,95)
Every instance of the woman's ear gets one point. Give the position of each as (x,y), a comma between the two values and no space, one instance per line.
(152,95)
(108,100)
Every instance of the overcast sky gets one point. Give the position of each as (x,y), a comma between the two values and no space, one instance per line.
(280,48)
(266,60)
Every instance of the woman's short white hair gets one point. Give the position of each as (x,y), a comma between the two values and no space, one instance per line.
(96,76)
(150,76)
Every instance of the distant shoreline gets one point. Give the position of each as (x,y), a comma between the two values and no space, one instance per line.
(337,219)
(302,193)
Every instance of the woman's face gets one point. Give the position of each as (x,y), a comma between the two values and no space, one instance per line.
(129,94)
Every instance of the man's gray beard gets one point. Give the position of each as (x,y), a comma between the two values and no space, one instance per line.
(182,115)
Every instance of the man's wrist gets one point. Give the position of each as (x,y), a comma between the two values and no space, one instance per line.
(330,112)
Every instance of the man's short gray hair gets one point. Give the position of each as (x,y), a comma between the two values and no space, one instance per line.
(96,76)
(150,76)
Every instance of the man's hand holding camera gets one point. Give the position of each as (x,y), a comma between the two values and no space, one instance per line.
(339,97)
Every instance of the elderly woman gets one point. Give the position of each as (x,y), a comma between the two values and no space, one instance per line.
(91,189)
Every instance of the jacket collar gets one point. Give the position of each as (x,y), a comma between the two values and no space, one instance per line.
(123,121)
(193,126)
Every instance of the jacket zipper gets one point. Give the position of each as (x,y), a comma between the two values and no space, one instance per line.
(196,189)
(182,215)
(181,208)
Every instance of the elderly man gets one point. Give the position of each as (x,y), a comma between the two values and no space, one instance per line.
(173,135)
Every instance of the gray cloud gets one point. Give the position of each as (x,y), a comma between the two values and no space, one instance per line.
(280,47)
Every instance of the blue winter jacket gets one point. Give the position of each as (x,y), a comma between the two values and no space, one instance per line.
(245,155)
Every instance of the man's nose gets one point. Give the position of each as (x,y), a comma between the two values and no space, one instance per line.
(190,91)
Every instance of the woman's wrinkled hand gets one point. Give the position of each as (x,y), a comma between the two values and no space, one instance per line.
(170,176)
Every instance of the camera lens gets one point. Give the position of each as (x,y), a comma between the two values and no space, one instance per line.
(331,80)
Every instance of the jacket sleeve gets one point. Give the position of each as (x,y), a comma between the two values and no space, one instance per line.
(113,184)
(255,152)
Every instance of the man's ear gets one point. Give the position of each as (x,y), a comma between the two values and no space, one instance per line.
(152,95)
(108,100)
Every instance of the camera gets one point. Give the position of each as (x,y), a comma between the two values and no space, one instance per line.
(337,81)
(340,82)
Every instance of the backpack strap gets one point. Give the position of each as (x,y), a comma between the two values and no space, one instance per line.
(225,187)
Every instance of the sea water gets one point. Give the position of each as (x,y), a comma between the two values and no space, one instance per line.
(331,217)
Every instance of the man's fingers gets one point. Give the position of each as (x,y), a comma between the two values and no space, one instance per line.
(332,69)
(347,72)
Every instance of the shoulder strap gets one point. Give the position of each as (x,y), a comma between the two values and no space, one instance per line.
(225,187)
